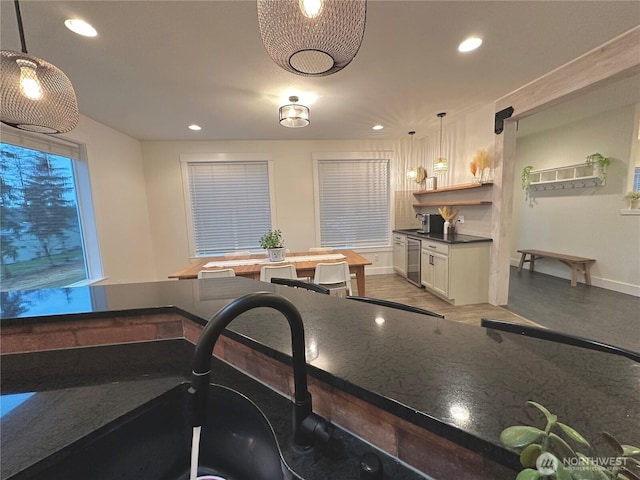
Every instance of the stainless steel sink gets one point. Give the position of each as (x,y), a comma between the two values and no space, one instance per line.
(154,442)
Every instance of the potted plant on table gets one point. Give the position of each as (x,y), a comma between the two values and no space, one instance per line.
(273,243)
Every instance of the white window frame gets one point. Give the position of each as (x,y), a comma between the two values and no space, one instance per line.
(351,156)
(78,153)
(187,158)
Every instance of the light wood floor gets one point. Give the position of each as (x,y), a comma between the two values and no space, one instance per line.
(395,288)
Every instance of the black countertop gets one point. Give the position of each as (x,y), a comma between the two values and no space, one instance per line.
(452,238)
(460,381)
(68,394)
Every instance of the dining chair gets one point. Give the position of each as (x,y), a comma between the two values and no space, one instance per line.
(334,276)
(225,272)
(289,282)
(396,305)
(268,272)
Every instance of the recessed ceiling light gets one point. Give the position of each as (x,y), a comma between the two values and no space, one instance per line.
(470,44)
(377,127)
(80,27)
(195,127)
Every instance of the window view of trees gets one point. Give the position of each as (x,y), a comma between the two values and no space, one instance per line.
(40,232)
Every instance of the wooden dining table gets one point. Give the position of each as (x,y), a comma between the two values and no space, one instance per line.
(304,268)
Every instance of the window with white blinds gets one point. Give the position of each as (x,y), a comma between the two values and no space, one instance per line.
(353,202)
(230,204)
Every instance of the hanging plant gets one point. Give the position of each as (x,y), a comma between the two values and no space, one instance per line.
(526,182)
(602,163)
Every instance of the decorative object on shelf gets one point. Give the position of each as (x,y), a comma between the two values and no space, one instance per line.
(431,183)
(483,164)
(312,38)
(473,167)
(273,243)
(294,115)
(449,214)
(633,199)
(441,165)
(525,177)
(546,454)
(36,95)
(601,162)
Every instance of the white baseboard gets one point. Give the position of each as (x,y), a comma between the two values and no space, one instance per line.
(371,270)
(605,283)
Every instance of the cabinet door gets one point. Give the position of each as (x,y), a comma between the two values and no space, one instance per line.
(426,269)
(440,275)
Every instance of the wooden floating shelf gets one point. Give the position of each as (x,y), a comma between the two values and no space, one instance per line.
(460,203)
(453,188)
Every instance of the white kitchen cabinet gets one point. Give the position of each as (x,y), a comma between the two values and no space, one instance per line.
(459,273)
(400,254)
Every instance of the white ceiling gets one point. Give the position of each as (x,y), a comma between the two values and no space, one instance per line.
(158,66)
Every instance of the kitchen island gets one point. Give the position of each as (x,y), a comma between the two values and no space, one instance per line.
(444,380)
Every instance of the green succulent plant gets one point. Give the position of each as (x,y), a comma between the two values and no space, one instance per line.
(572,464)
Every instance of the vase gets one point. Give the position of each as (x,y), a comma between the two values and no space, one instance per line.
(634,204)
(276,254)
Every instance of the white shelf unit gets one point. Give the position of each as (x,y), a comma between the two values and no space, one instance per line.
(572,176)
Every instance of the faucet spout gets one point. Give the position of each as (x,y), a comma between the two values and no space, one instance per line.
(306,424)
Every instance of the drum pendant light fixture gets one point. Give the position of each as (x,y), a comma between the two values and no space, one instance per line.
(294,115)
(36,95)
(441,165)
(312,38)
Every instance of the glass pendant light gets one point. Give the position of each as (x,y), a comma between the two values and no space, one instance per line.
(294,115)
(441,165)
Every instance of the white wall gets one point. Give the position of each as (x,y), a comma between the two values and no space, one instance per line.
(582,221)
(120,202)
(294,195)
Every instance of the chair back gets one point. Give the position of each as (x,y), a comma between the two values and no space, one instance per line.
(334,276)
(268,272)
(301,284)
(225,272)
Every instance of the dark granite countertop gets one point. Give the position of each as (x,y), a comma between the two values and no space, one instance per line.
(68,394)
(460,381)
(452,239)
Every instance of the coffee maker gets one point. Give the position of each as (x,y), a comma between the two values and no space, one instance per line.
(430,223)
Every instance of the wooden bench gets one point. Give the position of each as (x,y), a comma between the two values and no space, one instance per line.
(577,264)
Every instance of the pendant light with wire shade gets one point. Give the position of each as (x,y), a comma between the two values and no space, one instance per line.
(36,95)
(441,165)
(312,38)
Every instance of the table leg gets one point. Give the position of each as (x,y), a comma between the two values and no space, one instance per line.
(359,271)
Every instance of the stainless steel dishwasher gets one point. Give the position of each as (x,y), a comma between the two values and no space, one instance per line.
(413,260)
